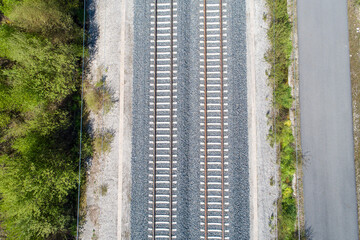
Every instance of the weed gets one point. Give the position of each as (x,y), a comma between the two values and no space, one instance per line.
(272,181)
(98,97)
(102,142)
(94,236)
(104,189)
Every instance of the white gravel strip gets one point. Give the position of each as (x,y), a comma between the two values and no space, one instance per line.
(110,43)
(125,119)
(262,155)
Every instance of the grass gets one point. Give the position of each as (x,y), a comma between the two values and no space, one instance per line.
(104,189)
(279,56)
(97,96)
(354,44)
(94,236)
(102,142)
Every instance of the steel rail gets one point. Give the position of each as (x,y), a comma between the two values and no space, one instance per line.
(222,125)
(171,118)
(171,112)
(205,127)
(155,119)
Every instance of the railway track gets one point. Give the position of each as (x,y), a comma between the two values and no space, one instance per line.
(163,124)
(214,121)
(214,186)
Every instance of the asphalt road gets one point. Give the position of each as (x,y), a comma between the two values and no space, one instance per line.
(326,119)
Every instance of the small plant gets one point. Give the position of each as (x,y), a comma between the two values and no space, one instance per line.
(102,142)
(94,236)
(97,96)
(264,17)
(271,224)
(272,181)
(104,189)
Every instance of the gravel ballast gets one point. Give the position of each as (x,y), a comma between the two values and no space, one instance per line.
(263,168)
(110,48)
(251,158)
(188,116)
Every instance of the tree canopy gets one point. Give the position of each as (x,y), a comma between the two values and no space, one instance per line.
(40,56)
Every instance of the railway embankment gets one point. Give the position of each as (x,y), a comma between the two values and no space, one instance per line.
(190,158)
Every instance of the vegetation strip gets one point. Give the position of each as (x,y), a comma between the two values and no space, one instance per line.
(354,45)
(279,57)
(81,122)
(40,85)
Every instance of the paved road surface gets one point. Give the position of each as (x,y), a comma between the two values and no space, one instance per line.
(326,119)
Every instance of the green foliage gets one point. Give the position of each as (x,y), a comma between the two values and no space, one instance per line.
(102,142)
(98,97)
(279,35)
(42,70)
(6,6)
(33,200)
(104,189)
(31,15)
(39,118)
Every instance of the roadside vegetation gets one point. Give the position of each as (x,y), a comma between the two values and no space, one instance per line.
(354,45)
(40,84)
(279,57)
(97,96)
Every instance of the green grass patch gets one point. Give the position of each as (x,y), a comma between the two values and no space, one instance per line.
(102,142)
(104,189)
(97,96)
(279,54)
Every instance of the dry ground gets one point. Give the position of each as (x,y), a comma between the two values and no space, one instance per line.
(354,41)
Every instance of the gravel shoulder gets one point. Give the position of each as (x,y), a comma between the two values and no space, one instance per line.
(262,159)
(110,47)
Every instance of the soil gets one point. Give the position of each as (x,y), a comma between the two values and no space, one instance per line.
(354,41)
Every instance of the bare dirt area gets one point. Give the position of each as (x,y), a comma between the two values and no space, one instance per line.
(108,173)
(354,41)
(263,168)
